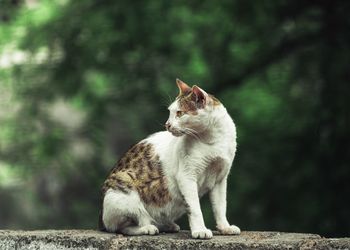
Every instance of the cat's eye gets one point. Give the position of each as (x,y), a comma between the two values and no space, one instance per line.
(179,113)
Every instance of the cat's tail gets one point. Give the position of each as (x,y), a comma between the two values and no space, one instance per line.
(101,225)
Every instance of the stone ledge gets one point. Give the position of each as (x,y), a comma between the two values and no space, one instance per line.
(89,239)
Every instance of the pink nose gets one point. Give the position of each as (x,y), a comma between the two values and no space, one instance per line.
(167,125)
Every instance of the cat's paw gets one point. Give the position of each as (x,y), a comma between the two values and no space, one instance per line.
(175,228)
(202,234)
(230,230)
(149,229)
(169,228)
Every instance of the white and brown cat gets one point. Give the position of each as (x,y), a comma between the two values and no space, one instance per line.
(163,176)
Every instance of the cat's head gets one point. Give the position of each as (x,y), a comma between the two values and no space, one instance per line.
(191,112)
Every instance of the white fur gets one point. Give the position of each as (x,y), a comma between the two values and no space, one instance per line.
(190,161)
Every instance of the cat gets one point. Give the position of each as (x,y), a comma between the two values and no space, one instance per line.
(163,176)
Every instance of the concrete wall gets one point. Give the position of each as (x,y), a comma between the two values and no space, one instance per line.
(89,239)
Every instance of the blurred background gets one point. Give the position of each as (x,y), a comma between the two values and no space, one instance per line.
(81,81)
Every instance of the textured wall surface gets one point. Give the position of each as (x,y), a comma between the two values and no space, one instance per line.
(89,239)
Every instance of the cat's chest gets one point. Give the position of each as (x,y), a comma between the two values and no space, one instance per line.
(214,172)
(208,163)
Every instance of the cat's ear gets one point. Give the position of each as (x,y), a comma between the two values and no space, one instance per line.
(183,87)
(199,95)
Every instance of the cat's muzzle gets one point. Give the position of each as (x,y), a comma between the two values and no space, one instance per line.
(174,132)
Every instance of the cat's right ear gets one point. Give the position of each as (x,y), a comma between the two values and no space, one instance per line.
(183,87)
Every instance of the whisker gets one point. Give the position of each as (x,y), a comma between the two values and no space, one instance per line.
(192,133)
(160,123)
(197,135)
(166,100)
(169,97)
(164,103)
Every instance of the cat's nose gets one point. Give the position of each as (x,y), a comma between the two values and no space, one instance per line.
(167,125)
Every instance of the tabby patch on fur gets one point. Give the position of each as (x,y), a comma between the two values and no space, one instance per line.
(140,169)
(189,104)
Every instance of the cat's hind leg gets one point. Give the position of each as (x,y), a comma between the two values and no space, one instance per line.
(125,213)
(170,227)
(144,224)
(140,230)
(114,215)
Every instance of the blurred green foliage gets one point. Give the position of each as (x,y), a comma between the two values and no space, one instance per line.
(81,81)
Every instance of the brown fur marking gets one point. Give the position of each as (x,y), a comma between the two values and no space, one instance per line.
(140,170)
(215,101)
(188,104)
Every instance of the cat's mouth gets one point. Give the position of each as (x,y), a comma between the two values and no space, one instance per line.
(176,132)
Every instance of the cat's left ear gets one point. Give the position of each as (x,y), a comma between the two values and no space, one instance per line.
(183,87)
(200,96)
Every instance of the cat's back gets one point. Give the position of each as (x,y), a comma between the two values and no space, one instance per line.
(160,140)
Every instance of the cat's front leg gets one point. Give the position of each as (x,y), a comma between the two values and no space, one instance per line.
(189,190)
(218,200)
